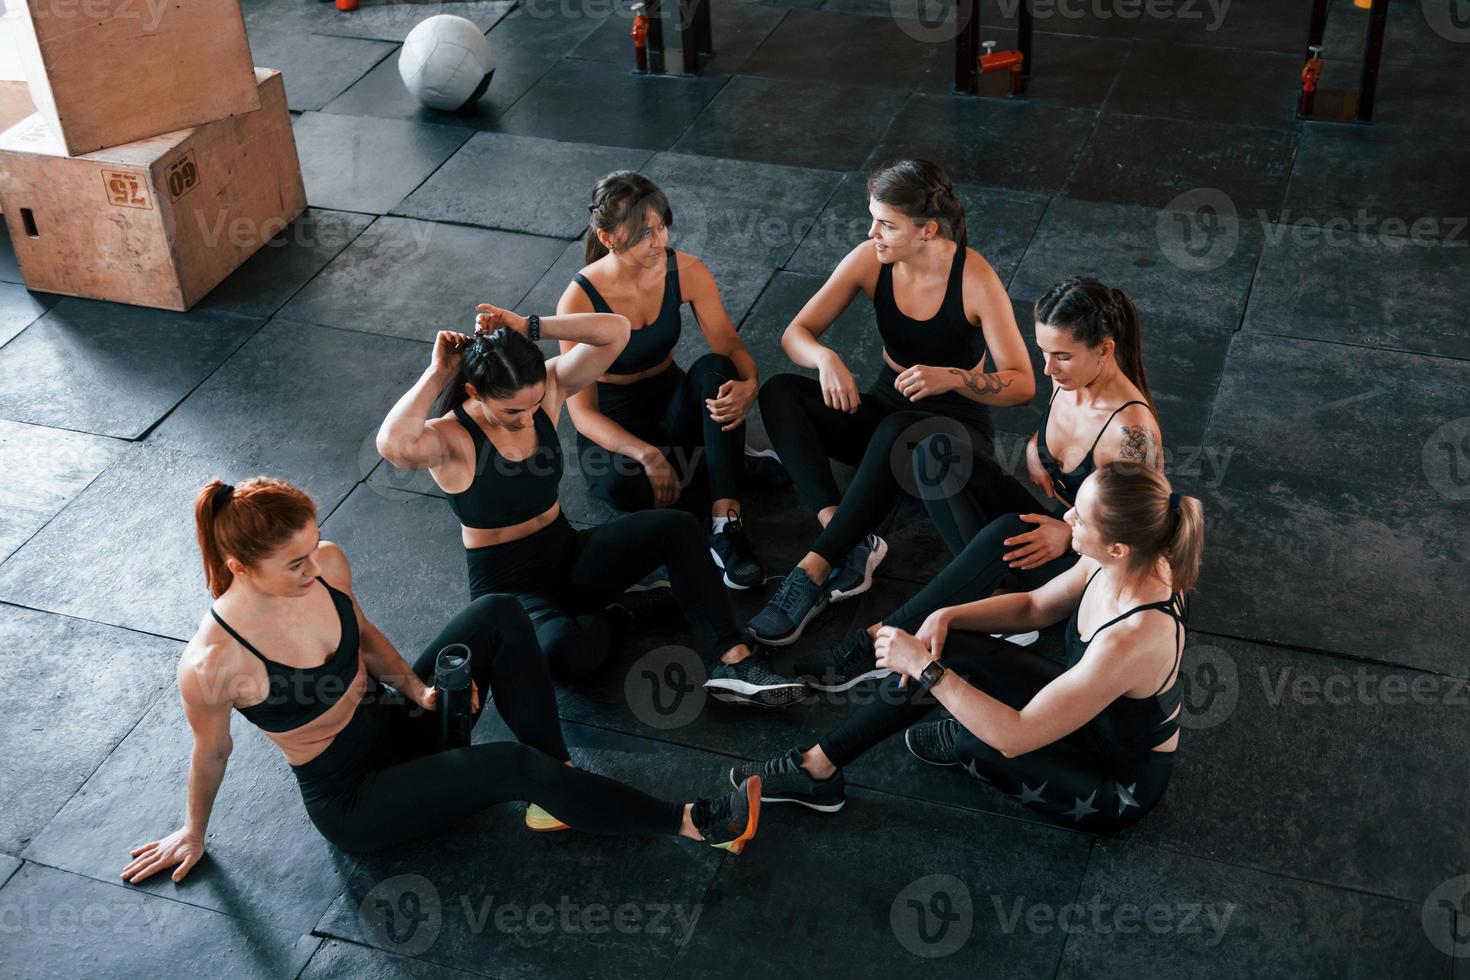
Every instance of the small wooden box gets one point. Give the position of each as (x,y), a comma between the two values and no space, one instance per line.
(158,222)
(107,72)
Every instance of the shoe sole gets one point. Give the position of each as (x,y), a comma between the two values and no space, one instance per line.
(769,697)
(910,746)
(541,821)
(753,801)
(795,635)
(874,560)
(653,586)
(1019,639)
(729,583)
(873,674)
(819,807)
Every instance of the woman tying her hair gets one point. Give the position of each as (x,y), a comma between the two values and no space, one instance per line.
(287,645)
(493,450)
(648,433)
(1100,410)
(941,312)
(1089,744)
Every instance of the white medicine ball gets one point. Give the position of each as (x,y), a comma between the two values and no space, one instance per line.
(446,62)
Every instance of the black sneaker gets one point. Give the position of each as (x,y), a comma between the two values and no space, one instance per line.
(796,601)
(846,665)
(634,611)
(784,781)
(654,581)
(730,821)
(764,466)
(751,682)
(734,555)
(855,575)
(933,741)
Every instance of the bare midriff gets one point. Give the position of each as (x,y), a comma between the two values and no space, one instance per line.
(301,745)
(484,537)
(627,379)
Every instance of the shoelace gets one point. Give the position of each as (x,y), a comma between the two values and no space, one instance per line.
(853,648)
(783,765)
(788,596)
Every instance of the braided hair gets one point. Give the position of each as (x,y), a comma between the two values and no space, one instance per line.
(923,192)
(620,205)
(1093,312)
(498,364)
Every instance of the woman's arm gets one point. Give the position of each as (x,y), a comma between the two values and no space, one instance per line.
(1010,380)
(736,397)
(799,340)
(406,439)
(207,695)
(1022,611)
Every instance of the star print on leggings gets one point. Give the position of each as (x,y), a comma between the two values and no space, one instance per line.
(1125,796)
(970,768)
(1083,808)
(1029,795)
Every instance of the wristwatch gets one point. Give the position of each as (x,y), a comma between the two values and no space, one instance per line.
(533,326)
(932,674)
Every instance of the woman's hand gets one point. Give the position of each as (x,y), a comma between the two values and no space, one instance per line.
(428,697)
(178,848)
(901,652)
(661,477)
(839,390)
(934,631)
(448,347)
(731,404)
(922,381)
(1049,540)
(1036,471)
(489,318)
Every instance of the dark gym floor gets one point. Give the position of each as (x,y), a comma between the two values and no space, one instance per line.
(1314,389)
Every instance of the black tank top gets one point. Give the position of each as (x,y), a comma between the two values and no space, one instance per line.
(298,695)
(1133,726)
(947,339)
(648,345)
(1068,482)
(506,492)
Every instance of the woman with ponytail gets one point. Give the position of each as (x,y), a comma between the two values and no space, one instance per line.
(951,350)
(287,646)
(493,449)
(1086,744)
(1100,410)
(649,433)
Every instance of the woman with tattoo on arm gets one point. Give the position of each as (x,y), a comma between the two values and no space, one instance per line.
(943,316)
(1100,411)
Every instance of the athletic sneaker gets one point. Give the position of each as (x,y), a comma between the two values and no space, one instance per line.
(1019,639)
(764,466)
(846,665)
(784,781)
(796,601)
(635,611)
(751,682)
(730,821)
(539,819)
(656,579)
(734,555)
(933,741)
(855,575)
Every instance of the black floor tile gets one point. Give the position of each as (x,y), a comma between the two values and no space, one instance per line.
(265,862)
(52,752)
(976,140)
(388,21)
(361,163)
(1066,69)
(347,961)
(1207,84)
(737,30)
(1000,225)
(1356,178)
(408,278)
(641,111)
(1141,911)
(1337,285)
(285,263)
(1176,264)
(43,469)
(19,308)
(519,183)
(1092,19)
(935,862)
(93,928)
(740,124)
(140,361)
(1259,25)
(1363,784)
(316,68)
(1408,103)
(1429,35)
(9,271)
(861,51)
(1151,161)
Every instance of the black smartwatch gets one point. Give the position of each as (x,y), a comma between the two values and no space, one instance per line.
(533,326)
(932,674)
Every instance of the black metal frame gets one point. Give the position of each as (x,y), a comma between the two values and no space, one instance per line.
(1372,53)
(967,46)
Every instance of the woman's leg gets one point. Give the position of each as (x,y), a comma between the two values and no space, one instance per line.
(806,433)
(612,477)
(688,422)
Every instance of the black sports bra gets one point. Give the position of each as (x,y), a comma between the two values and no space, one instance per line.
(298,695)
(507,492)
(1068,482)
(947,339)
(648,345)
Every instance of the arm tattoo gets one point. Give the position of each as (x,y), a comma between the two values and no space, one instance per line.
(1139,446)
(979,385)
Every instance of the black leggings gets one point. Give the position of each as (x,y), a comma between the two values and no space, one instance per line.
(880,439)
(1075,781)
(668,411)
(383,780)
(565,578)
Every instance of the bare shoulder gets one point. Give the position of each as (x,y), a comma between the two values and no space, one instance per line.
(1133,437)
(210,659)
(335,569)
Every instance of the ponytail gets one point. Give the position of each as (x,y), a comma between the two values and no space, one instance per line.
(1092,312)
(1136,507)
(246,522)
(923,192)
(620,205)
(498,364)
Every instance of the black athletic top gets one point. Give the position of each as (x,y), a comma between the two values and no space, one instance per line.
(298,695)
(506,492)
(947,339)
(650,344)
(1068,482)
(1133,726)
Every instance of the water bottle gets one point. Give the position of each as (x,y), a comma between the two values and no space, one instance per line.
(452,682)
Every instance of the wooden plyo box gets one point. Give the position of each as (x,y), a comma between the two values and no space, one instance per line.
(15,103)
(158,222)
(107,72)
